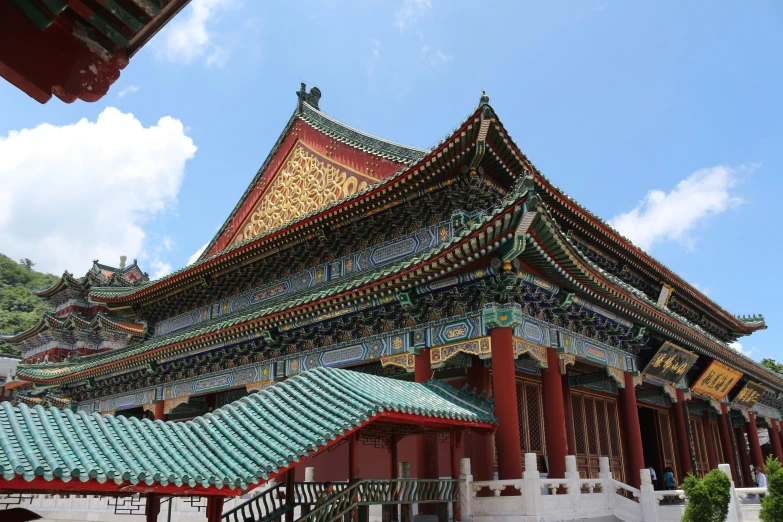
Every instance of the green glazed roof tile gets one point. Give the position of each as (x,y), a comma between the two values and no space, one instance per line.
(236,446)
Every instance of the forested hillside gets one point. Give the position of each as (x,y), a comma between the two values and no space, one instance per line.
(19,309)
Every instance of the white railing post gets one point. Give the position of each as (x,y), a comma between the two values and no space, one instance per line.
(574,485)
(735,513)
(532,485)
(605,474)
(647,497)
(309,474)
(465,489)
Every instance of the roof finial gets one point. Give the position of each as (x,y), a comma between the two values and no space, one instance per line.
(123,258)
(484,98)
(311,97)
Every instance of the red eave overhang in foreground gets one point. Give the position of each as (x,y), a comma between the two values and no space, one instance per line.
(75,486)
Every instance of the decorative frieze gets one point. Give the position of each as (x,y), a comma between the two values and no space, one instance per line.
(480,347)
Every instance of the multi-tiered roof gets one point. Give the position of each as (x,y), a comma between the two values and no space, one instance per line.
(298,251)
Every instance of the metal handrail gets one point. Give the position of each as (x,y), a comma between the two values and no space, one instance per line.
(367,492)
(270,505)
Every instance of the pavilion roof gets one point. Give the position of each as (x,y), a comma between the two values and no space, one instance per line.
(234,448)
(76,321)
(99,275)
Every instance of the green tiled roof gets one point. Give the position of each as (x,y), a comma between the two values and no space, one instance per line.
(283,303)
(237,446)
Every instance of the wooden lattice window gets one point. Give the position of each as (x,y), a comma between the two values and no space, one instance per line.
(716,440)
(665,440)
(699,446)
(531,420)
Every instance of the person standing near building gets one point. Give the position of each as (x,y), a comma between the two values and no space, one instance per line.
(761,480)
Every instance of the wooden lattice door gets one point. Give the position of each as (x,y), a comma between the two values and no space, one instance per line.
(531,420)
(597,434)
(699,446)
(665,440)
(719,453)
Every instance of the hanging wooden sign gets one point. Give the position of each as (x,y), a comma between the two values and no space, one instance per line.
(716,381)
(749,395)
(670,363)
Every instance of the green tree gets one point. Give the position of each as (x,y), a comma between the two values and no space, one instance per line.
(708,498)
(772,505)
(19,309)
(772,365)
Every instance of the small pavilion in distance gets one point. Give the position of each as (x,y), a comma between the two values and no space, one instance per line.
(421,305)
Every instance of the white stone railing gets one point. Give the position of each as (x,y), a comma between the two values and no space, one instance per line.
(575,498)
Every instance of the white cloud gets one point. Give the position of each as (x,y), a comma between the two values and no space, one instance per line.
(73,193)
(672,216)
(435,57)
(410,13)
(749,352)
(159,268)
(192,259)
(188,36)
(128,90)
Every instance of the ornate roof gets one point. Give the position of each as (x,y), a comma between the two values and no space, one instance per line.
(469,242)
(99,275)
(236,447)
(76,321)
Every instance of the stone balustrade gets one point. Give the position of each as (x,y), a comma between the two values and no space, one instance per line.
(534,498)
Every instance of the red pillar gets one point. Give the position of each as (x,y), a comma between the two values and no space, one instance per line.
(454,437)
(153,508)
(569,415)
(554,415)
(774,438)
(426,447)
(395,472)
(632,432)
(479,445)
(712,456)
(756,458)
(725,440)
(353,457)
(290,493)
(683,448)
(780,432)
(159,409)
(742,449)
(504,386)
(214,509)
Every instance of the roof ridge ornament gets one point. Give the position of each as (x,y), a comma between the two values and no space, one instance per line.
(484,100)
(311,97)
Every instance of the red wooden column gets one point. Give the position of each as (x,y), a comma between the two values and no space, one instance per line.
(395,473)
(159,409)
(454,440)
(712,456)
(554,415)
(504,384)
(756,457)
(290,493)
(426,447)
(214,509)
(479,445)
(774,438)
(632,431)
(683,448)
(153,508)
(742,449)
(725,440)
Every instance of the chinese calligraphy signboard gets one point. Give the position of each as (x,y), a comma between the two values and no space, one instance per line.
(749,395)
(670,363)
(716,381)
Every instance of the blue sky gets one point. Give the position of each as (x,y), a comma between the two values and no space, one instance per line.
(665,118)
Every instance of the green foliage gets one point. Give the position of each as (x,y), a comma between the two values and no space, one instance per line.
(772,365)
(772,505)
(708,498)
(19,309)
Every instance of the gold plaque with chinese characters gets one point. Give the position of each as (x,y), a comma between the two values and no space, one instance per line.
(670,364)
(716,381)
(749,395)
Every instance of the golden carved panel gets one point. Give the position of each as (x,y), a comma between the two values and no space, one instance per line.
(306,182)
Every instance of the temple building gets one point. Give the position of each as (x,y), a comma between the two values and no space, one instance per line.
(460,272)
